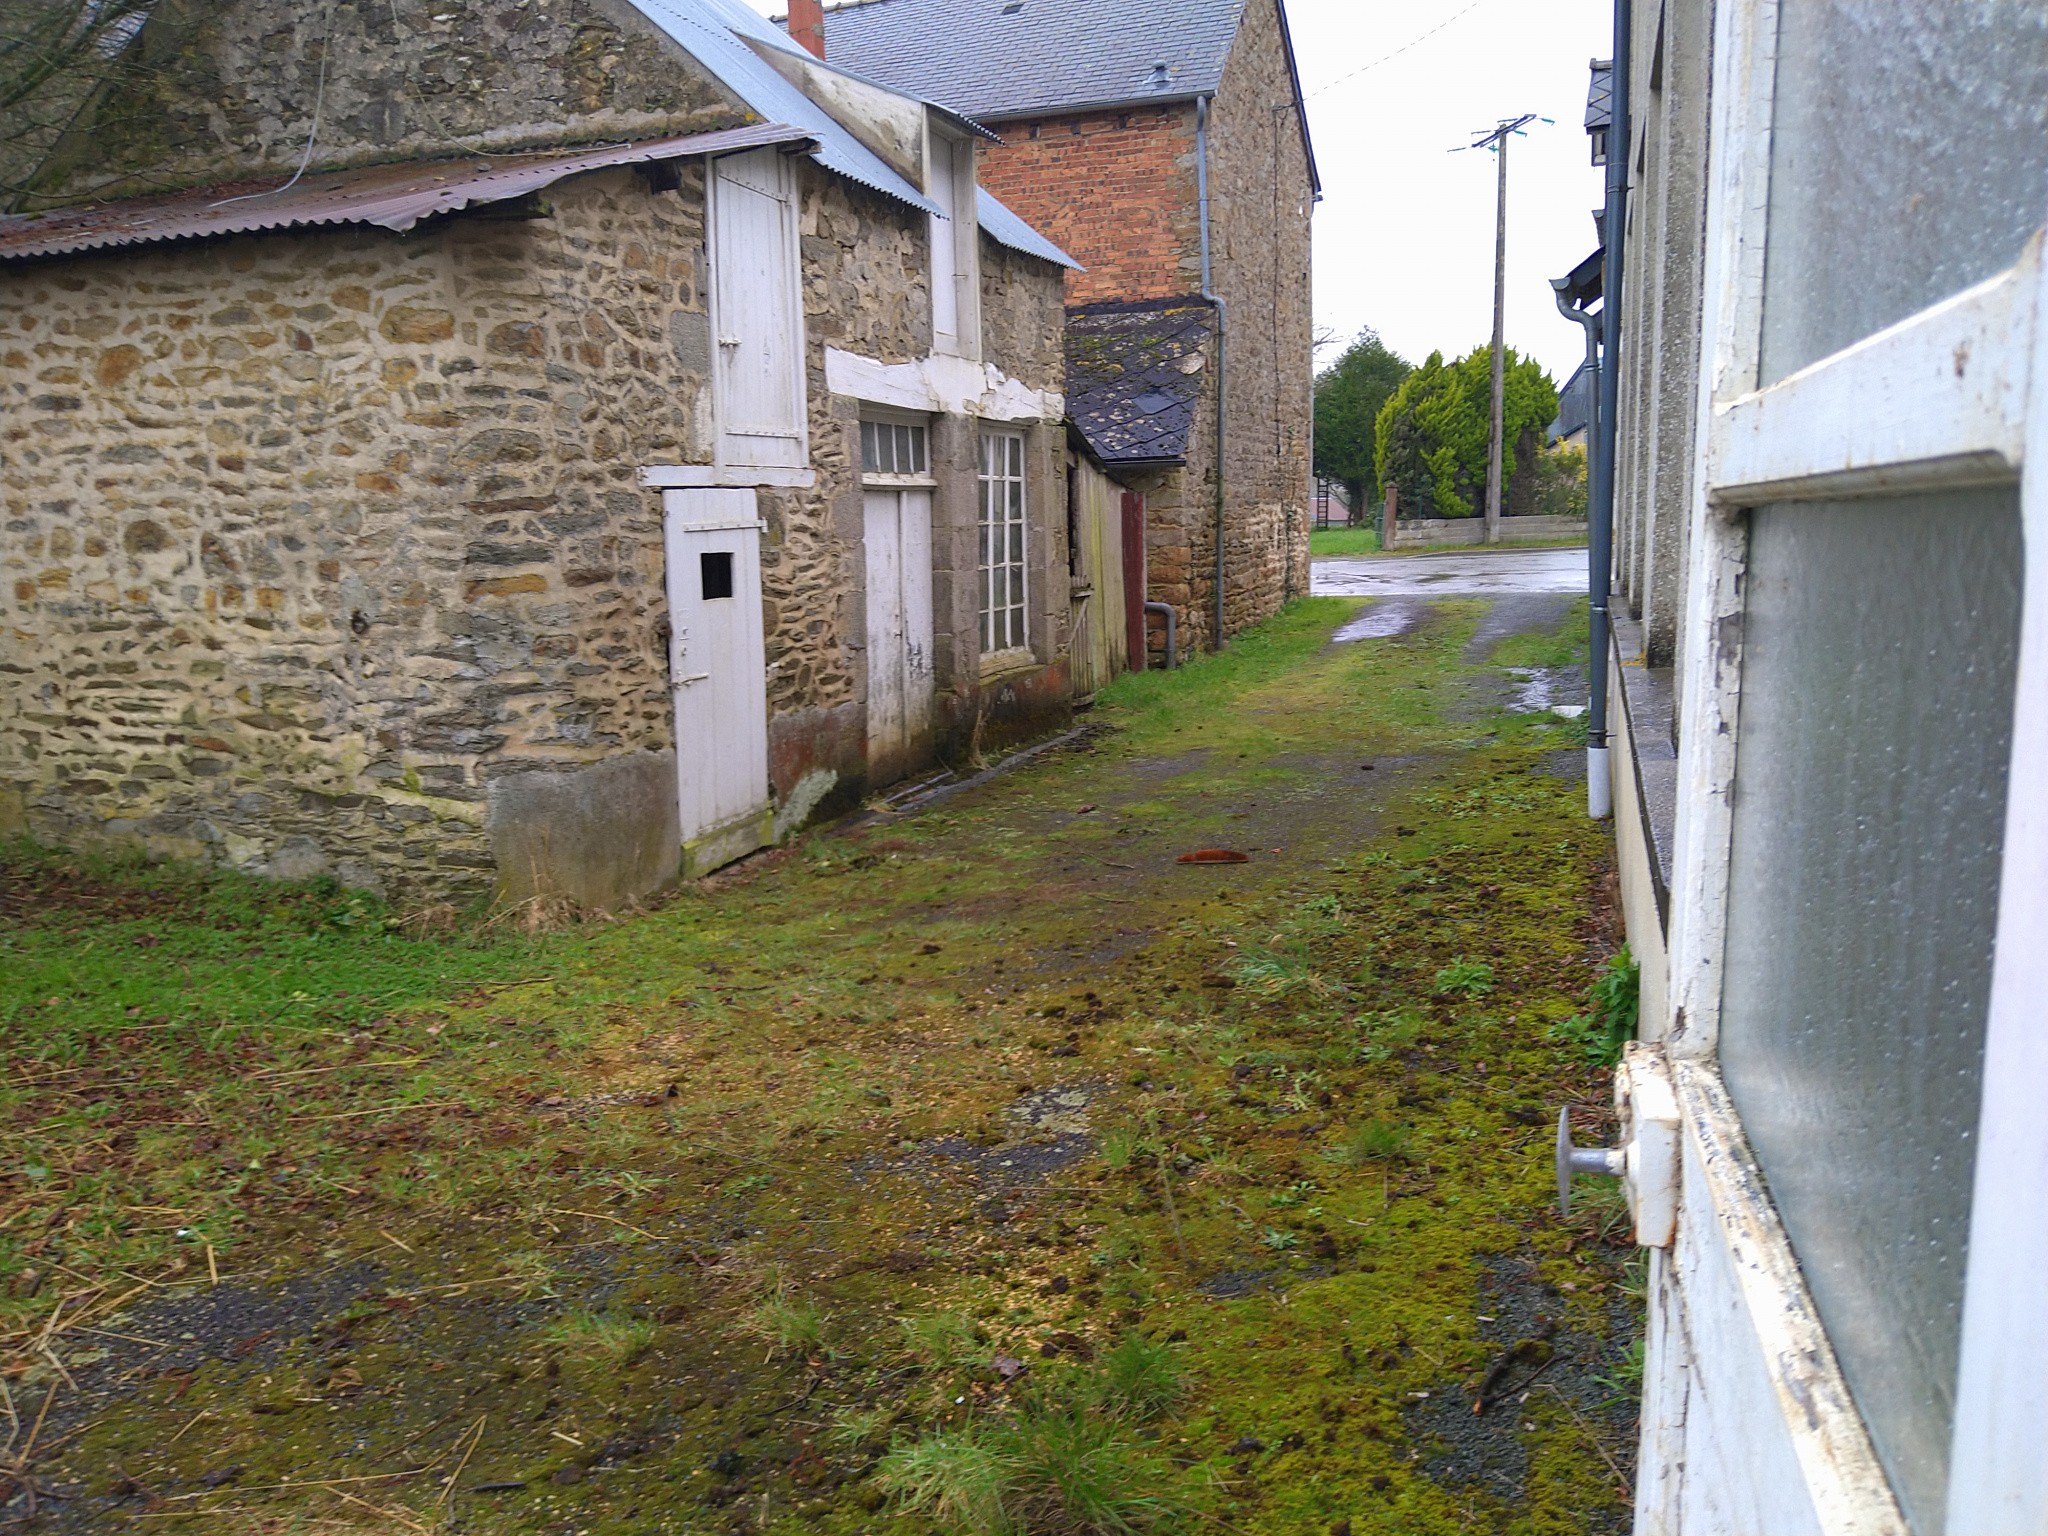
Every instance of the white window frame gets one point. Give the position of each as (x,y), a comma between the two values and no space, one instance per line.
(919,479)
(992,509)
(1942,400)
(950,182)
(740,455)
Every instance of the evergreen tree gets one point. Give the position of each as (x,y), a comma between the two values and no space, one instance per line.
(1431,435)
(1349,395)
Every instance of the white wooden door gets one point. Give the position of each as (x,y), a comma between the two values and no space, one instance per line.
(899,600)
(718,673)
(757,312)
(1849,1327)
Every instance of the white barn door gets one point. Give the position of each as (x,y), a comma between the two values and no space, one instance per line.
(718,672)
(899,600)
(1849,1325)
(757,312)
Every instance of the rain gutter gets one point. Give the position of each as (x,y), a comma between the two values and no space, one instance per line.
(1600,540)
(1222,350)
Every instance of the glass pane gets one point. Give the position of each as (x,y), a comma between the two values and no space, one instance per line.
(870,452)
(1016,543)
(917,441)
(1879,654)
(1909,159)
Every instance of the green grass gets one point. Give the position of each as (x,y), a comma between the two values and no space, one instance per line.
(1563,647)
(608,1338)
(643,1206)
(1064,1455)
(1326,542)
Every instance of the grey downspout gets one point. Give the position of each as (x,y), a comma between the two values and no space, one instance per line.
(1165,611)
(1222,349)
(1600,536)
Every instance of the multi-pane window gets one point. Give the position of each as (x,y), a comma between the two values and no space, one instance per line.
(1002,542)
(892,448)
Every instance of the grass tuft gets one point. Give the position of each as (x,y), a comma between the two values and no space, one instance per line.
(614,1338)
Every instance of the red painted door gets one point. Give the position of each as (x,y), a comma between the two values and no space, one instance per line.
(1134,576)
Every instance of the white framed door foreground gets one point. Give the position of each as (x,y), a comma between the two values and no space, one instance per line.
(718,674)
(898,538)
(1849,1331)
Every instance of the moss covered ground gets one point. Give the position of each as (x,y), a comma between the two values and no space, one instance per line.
(718,1218)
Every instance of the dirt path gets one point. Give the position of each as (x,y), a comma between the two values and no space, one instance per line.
(878,1142)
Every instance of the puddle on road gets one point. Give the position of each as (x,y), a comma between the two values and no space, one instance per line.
(1382,621)
(1539,689)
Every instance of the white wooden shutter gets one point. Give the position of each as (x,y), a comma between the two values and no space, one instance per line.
(757,313)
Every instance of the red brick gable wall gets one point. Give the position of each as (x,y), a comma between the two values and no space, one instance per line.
(1116,190)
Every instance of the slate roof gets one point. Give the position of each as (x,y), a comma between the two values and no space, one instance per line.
(723,36)
(1574,404)
(1600,95)
(1130,391)
(1020,58)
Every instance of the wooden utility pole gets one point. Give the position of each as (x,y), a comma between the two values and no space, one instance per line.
(1496,449)
(1500,318)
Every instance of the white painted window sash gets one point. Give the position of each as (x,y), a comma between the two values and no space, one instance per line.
(1005,627)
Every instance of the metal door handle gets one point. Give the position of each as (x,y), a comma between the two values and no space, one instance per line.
(1612,1161)
(694,677)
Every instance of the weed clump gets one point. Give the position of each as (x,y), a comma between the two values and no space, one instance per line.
(1612,1016)
(614,1338)
(1372,1141)
(792,1323)
(1062,1457)
(1464,977)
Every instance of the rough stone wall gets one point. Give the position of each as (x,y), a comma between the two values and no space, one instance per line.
(866,265)
(1114,190)
(867,289)
(326,551)
(224,91)
(1260,204)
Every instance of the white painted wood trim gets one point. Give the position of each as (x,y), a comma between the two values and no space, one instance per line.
(941,385)
(1850,1493)
(1738,190)
(1998,1471)
(1937,399)
(735,477)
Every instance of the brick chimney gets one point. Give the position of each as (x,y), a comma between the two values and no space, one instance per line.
(807,24)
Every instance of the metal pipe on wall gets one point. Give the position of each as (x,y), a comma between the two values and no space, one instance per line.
(1165,611)
(1600,538)
(1222,350)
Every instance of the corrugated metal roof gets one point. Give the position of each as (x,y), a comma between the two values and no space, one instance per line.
(716,34)
(1020,58)
(1005,228)
(720,40)
(394,197)
(1134,377)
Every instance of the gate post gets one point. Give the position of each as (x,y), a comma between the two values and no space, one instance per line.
(1387,528)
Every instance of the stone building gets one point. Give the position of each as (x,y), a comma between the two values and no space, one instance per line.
(532,452)
(1166,148)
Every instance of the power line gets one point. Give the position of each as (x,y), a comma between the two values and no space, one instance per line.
(1417,42)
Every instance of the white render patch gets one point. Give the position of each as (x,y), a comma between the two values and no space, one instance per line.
(941,385)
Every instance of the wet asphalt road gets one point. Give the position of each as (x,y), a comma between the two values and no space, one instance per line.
(1459,573)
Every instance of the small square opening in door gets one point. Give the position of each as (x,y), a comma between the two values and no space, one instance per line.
(716,569)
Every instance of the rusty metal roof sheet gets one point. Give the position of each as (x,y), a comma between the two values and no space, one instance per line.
(394,197)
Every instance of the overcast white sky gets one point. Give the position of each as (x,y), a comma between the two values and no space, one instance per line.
(1404,235)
